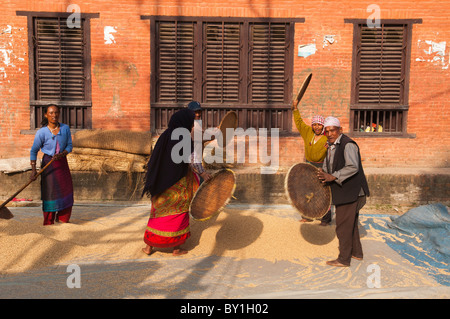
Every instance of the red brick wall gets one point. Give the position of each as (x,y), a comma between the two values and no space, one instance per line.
(328,94)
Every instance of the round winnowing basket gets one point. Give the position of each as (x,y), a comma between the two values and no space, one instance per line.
(306,192)
(228,121)
(213,195)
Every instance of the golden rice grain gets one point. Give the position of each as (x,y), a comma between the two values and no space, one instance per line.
(27,245)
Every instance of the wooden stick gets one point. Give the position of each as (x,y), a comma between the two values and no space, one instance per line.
(28,183)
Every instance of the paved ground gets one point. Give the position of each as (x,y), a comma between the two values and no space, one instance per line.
(215,274)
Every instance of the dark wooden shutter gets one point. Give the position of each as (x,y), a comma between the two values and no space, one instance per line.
(239,64)
(221,62)
(175,61)
(267,62)
(59,56)
(381,76)
(61,68)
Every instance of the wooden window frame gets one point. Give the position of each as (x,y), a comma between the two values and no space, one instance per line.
(381,113)
(278,114)
(77,113)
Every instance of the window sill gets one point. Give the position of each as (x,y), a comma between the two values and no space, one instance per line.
(33,132)
(380,135)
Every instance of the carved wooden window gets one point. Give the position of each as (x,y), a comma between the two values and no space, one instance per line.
(60,68)
(244,65)
(380,77)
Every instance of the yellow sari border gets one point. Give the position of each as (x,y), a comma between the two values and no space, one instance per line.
(168,233)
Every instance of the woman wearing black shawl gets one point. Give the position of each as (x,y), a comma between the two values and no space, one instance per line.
(171,184)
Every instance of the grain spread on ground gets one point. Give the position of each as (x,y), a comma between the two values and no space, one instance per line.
(258,240)
(25,244)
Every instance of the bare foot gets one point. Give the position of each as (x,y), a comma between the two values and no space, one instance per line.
(147,250)
(179,252)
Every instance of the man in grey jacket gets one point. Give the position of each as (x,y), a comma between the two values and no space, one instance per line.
(343,171)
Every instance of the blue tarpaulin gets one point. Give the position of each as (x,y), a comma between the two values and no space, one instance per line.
(423,238)
(431,223)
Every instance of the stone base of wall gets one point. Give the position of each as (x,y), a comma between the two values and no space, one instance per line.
(397,187)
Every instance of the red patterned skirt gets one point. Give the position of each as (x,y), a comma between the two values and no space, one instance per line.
(56,185)
(168,225)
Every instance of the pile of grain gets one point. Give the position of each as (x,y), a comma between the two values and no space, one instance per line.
(116,140)
(30,251)
(110,151)
(26,244)
(100,160)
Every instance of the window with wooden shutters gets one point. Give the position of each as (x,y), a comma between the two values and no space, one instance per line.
(227,64)
(268,43)
(173,66)
(175,61)
(59,61)
(380,78)
(221,62)
(60,67)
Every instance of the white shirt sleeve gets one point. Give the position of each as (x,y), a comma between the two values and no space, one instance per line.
(351,166)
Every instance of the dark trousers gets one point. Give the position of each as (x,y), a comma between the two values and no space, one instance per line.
(327,217)
(347,230)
